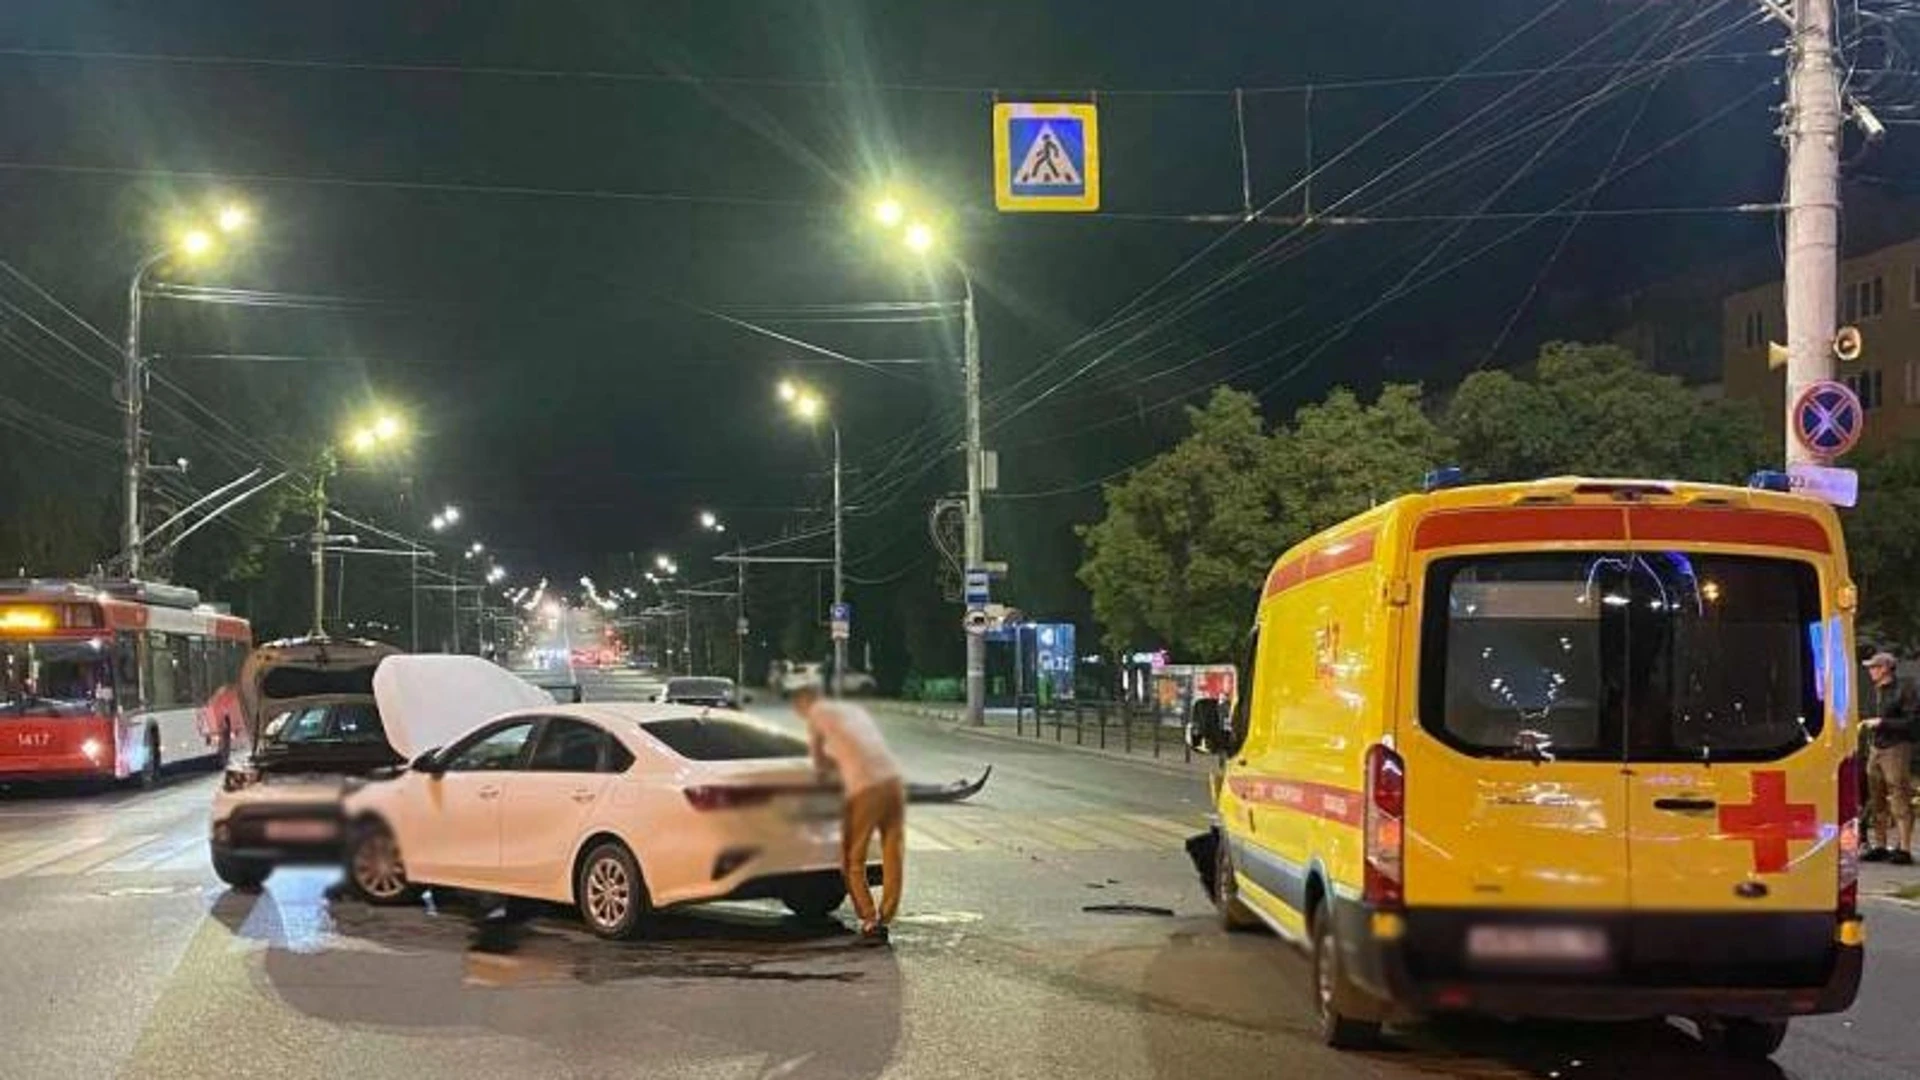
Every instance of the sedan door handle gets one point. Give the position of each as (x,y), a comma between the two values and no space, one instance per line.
(489,793)
(583,796)
(1684,805)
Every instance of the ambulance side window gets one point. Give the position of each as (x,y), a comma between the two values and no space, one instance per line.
(1239,723)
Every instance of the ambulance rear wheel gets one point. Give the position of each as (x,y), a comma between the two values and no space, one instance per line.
(1330,991)
(1745,1039)
(1234,913)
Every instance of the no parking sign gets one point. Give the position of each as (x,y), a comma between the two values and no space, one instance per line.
(1828,418)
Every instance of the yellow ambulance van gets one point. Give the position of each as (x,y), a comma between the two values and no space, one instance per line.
(1569,748)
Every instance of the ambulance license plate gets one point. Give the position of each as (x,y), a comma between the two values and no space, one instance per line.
(1537,944)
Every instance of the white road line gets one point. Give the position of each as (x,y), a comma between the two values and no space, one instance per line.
(79,862)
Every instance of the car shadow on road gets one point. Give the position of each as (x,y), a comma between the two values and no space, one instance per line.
(1260,984)
(709,985)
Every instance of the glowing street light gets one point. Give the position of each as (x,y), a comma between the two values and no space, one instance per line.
(662,561)
(233,217)
(919,238)
(196,242)
(452,514)
(810,406)
(383,430)
(888,211)
(439,523)
(708,520)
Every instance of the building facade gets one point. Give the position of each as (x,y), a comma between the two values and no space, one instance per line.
(1879,295)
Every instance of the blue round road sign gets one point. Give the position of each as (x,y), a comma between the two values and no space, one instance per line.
(1827,418)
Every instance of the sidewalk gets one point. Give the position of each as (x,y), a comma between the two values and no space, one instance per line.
(1135,745)
(1898,882)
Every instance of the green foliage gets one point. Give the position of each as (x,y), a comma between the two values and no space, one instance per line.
(1188,538)
(59,518)
(1594,410)
(1188,534)
(1883,545)
(1341,458)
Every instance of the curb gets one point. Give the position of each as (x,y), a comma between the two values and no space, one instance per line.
(954,725)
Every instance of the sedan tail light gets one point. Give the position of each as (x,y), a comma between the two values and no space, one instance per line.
(729,797)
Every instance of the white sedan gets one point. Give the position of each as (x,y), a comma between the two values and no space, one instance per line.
(618,809)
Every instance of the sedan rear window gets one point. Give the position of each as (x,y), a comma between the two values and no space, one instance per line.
(723,740)
(699,688)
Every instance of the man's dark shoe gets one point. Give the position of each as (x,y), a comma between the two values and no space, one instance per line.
(1878,854)
(875,935)
(1901,858)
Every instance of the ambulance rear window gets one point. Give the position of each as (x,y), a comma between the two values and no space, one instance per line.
(1644,656)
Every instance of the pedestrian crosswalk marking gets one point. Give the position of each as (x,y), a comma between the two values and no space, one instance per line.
(919,840)
(960,831)
(1095,829)
(1006,832)
(1048,835)
(954,835)
(149,857)
(1173,830)
(93,855)
(45,854)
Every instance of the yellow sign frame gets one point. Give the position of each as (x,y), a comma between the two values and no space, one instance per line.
(1004,197)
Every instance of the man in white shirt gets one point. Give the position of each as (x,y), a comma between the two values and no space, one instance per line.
(844,740)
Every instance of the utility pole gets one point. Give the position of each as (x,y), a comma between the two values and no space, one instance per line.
(740,623)
(318,542)
(839,573)
(975,526)
(1813,121)
(413,598)
(136,448)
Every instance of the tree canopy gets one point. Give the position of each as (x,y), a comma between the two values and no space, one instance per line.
(1188,537)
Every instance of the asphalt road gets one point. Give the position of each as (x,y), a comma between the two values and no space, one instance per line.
(121,955)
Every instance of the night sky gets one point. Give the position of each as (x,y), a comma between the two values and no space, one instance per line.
(536,217)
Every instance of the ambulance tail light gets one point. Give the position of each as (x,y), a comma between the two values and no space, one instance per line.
(1848,903)
(1384,829)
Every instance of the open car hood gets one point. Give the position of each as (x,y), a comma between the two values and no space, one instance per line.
(429,701)
(283,674)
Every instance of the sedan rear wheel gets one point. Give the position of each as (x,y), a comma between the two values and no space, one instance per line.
(816,897)
(376,869)
(611,893)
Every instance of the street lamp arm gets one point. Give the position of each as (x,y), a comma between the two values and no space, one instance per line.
(223,508)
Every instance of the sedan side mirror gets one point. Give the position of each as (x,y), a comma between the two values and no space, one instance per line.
(1207,727)
(428,763)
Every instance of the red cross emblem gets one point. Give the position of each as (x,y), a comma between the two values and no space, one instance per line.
(1769,822)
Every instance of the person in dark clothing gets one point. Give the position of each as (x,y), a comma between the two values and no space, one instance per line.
(1887,733)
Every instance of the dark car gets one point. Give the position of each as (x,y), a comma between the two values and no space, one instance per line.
(314,724)
(709,691)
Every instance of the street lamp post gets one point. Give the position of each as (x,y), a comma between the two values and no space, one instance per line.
(975,541)
(384,429)
(810,406)
(920,238)
(191,243)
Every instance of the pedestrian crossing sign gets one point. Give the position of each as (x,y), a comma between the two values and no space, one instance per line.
(1046,157)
